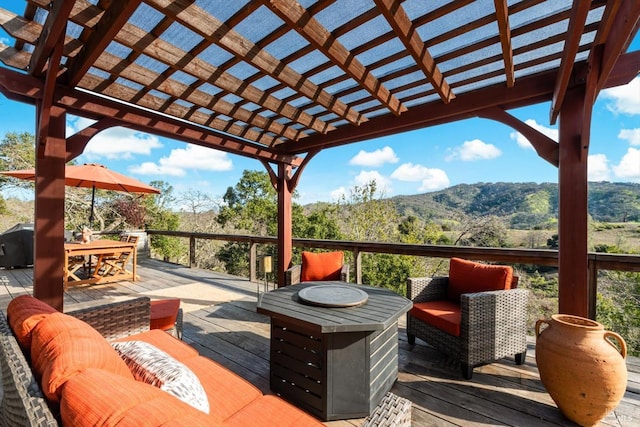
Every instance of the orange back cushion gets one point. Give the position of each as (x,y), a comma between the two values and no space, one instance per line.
(24,313)
(62,346)
(468,277)
(321,266)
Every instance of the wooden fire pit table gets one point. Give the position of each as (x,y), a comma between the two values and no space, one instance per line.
(335,362)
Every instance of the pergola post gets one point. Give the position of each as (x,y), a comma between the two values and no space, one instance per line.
(573,273)
(285,234)
(49,209)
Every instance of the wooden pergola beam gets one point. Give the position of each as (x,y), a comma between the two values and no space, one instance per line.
(292,13)
(408,34)
(25,88)
(77,142)
(109,25)
(502,16)
(52,32)
(621,23)
(579,12)
(199,21)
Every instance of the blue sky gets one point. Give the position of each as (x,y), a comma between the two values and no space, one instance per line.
(470,151)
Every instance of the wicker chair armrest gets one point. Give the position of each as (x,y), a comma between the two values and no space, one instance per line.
(117,319)
(292,275)
(423,289)
(494,309)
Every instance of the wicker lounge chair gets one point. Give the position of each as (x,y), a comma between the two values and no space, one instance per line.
(492,324)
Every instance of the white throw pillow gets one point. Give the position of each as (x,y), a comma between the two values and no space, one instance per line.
(153,366)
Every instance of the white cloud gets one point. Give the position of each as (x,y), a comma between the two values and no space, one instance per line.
(471,151)
(431,179)
(374,158)
(630,135)
(629,166)
(383,183)
(624,99)
(598,168)
(120,143)
(338,194)
(524,142)
(193,157)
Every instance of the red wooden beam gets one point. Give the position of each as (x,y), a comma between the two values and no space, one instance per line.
(52,34)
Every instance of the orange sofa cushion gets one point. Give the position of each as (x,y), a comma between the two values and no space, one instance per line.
(227,392)
(62,346)
(24,312)
(444,315)
(97,397)
(321,266)
(468,277)
(271,411)
(164,313)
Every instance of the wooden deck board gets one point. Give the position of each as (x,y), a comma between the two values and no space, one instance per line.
(221,322)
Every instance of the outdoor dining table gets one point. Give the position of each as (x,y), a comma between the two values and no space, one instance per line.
(334,346)
(100,271)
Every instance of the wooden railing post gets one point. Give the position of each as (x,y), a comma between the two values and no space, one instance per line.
(253,261)
(357,260)
(592,284)
(192,251)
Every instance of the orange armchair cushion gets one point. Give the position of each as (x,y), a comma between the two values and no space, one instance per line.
(24,313)
(321,266)
(165,342)
(62,346)
(468,277)
(444,315)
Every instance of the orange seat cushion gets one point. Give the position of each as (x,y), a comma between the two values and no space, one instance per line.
(444,315)
(321,266)
(164,313)
(62,346)
(270,411)
(227,392)
(24,313)
(96,397)
(468,277)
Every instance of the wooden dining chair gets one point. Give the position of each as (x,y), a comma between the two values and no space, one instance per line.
(118,263)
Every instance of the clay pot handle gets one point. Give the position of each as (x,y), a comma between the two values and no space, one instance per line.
(619,339)
(538,324)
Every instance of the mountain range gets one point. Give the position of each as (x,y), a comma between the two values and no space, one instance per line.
(521,205)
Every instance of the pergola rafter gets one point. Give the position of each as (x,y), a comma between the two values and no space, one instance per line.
(279,81)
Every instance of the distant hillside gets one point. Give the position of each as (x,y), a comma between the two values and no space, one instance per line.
(523,205)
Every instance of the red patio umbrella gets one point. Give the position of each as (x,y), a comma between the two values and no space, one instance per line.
(92,175)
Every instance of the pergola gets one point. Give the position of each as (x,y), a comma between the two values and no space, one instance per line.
(280,80)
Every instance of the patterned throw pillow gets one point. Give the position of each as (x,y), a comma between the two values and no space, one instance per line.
(153,366)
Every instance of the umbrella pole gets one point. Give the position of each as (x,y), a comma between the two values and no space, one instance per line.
(93,196)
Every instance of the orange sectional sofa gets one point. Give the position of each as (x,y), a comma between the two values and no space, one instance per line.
(98,367)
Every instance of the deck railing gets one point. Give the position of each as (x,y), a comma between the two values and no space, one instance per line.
(596,261)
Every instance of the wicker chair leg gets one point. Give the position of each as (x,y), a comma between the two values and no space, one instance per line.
(521,358)
(467,371)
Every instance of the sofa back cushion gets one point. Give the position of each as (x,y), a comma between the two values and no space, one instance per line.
(24,312)
(321,266)
(62,346)
(468,277)
(96,397)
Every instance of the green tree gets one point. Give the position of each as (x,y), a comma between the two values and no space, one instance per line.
(17,151)
(159,216)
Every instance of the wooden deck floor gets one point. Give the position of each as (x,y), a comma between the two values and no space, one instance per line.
(222,323)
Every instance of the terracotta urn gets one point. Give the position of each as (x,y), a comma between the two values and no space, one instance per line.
(581,368)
